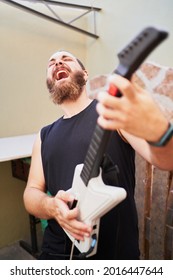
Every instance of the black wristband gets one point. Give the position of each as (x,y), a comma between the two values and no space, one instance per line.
(165,137)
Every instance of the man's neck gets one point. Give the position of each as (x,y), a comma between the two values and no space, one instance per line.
(72,108)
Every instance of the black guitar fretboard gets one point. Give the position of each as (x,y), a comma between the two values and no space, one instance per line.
(95,154)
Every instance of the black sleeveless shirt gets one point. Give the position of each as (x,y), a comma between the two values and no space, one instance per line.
(64,145)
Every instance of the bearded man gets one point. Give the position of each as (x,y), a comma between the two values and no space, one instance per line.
(62,145)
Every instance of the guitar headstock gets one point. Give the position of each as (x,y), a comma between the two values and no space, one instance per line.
(131,56)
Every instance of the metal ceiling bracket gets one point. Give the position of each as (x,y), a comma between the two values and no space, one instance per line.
(55,17)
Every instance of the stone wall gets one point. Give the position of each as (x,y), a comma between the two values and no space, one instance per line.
(154,188)
(158,80)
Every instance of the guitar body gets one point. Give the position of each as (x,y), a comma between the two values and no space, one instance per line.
(94,200)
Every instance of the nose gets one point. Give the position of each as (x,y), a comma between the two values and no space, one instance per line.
(58,63)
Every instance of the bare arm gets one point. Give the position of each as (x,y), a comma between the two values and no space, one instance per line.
(139,118)
(159,157)
(39,204)
(35,198)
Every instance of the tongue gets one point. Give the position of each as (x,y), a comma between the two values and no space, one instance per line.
(61,75)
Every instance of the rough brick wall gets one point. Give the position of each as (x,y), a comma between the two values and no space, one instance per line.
(159,82)
(154,188)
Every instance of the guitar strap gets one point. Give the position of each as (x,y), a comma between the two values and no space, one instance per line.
(110,171)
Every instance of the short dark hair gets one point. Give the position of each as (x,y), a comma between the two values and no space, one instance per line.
(80,63)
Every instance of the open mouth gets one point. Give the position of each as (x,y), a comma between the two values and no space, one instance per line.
(62,74)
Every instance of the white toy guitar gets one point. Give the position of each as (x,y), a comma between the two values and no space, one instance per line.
(94,198)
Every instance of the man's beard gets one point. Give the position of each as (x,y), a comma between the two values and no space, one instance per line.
(66,90)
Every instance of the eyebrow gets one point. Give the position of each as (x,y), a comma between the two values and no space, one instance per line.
(64,56)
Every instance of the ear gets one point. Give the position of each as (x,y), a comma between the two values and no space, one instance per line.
(85,75)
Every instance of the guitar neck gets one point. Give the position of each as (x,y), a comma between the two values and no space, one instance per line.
(95,154)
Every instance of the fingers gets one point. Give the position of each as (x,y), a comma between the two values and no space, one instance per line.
(107,123)
(125,87)
(135,112)
(112,111)
(77,229)
(107,101)
(65,196)
(67,218)
(129,94)
(116,113)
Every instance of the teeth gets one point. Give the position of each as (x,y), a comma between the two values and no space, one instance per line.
(61,71)
(62,74)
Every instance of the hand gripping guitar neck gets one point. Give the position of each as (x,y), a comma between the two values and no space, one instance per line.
(94,198)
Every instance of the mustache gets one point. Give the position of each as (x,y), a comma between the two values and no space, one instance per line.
(78,78)
(59,68)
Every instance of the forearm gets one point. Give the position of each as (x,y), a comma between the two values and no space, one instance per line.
(161,148)
(163,157)
(43,206)
(38,203)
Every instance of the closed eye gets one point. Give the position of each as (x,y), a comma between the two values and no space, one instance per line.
(67,58)
(64,58)
(51,62)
